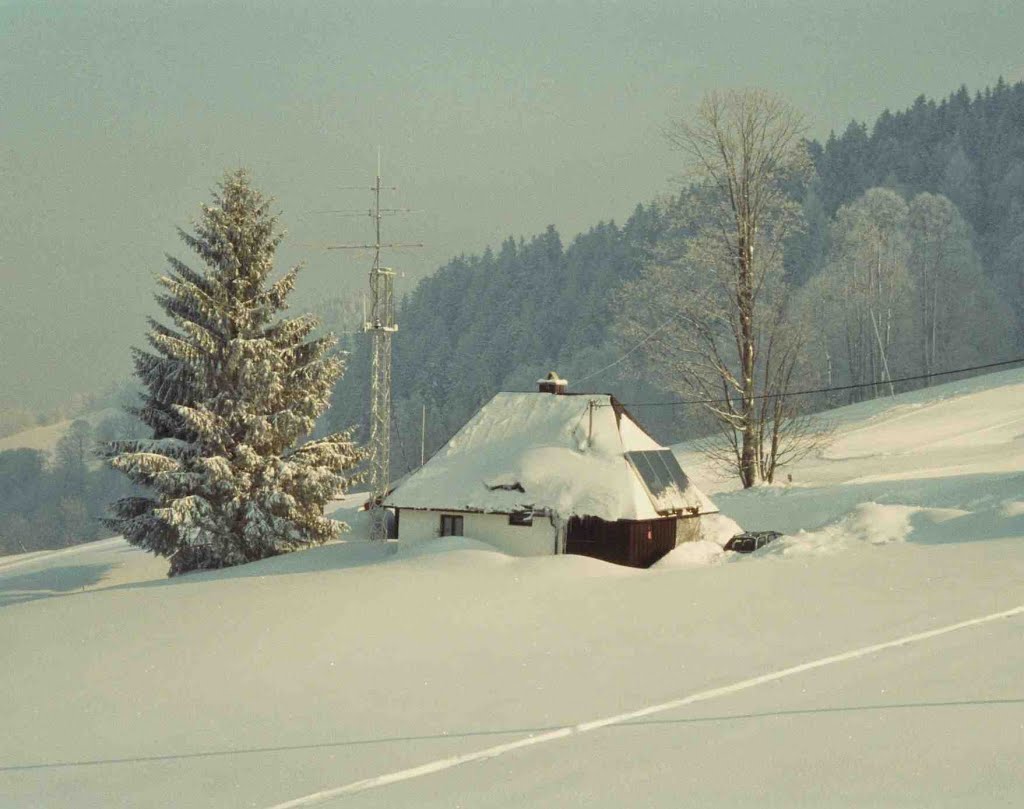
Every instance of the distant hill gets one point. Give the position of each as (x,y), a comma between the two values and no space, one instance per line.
(45,438)
(54,492)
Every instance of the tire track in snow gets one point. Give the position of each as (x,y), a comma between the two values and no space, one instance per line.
(586,727)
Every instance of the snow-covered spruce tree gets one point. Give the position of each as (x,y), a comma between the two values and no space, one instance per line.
(231,388)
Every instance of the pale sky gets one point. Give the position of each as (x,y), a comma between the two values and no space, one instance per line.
(116,118)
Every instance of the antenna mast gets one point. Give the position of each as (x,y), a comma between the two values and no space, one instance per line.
(380,325)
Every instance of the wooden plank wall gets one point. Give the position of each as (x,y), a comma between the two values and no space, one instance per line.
(638,543)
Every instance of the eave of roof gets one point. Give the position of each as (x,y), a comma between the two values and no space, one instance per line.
(566,455)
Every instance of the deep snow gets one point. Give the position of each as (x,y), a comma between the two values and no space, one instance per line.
(266,683)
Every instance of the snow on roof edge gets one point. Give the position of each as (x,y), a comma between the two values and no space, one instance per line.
(550,453)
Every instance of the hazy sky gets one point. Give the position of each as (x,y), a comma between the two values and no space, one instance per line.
(494,119)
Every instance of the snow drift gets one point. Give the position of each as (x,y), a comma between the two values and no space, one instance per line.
(261,684)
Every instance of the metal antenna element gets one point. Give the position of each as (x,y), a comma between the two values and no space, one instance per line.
(380,325)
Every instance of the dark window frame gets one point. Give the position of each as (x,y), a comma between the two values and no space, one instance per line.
(452,525)
(522,519)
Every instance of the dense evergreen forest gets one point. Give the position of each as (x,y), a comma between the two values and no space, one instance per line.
(969,149)
(500,320)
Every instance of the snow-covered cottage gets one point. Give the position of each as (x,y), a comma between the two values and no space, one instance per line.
(552,472)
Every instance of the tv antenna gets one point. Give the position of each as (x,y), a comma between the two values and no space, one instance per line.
(380,325)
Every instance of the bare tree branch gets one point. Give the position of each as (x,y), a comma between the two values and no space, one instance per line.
(720,281)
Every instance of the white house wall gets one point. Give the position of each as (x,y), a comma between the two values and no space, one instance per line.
(687,529)
(416,526)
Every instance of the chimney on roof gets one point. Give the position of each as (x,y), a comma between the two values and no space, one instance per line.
(552,383)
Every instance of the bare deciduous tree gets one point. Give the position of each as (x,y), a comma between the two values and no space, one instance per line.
(960,318)
(716,294)
(868,262)
(902,293)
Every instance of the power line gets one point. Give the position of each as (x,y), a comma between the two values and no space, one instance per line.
(620,359)
(825,390)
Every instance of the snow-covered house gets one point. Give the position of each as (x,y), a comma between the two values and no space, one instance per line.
(551,472)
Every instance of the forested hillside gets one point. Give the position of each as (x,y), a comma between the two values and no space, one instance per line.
(970,150)
(499,320)
(50,500)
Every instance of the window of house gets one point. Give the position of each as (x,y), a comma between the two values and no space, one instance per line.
(520,518)
(451,525)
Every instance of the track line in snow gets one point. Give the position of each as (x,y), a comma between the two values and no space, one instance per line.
(586,727)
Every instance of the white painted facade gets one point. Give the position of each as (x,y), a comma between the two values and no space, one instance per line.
(539,539)
(687,530)
(550,454)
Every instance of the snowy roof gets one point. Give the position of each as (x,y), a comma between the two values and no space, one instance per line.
(539,451)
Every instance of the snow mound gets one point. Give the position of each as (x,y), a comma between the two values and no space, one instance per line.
(868,523)
(447,545)
(700,553)
(718,529)
(995,521)
(454,553)
(351,512)
(1012,508)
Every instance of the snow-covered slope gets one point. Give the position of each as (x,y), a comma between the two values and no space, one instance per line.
(872,658)
(46,438)
(938,465)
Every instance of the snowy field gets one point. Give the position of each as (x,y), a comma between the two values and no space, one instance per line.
(46,438)
(873,657)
